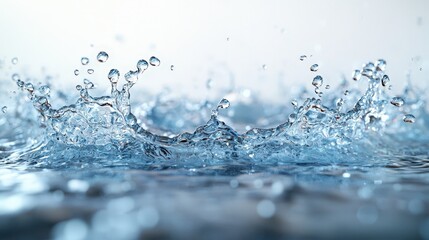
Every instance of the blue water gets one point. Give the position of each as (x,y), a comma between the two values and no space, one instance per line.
(331,162)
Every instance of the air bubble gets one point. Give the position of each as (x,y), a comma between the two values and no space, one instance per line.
(154,61)
(14,60)
(172,67)
(102,56)
(4,109)
(84,60)
(302,57)
(90,71)
(314,67)
(76,72)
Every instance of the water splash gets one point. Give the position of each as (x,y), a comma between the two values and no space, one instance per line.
(355,148)
(334,122)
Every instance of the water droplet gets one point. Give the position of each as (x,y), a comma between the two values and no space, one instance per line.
(356,75)
(142,65)
(302,57)
(154,61)
(367,73)
(84,60)
(381,65)
(113,76)
(227,39)
(369,66)
(102,56)
(209,83)
(409,118)
(14,60)
(317,81)
(88,83)
(20,83)
(292,118)
(15,77)
(44,90)
(264,66)
(294,103)
(4,109)
(346,92)
(172,67)
(385,80)
(79,87)
(29,87)
(397,101)
(327,86)
(131,76)
(76,72)
(224,103)
(90,71)
(314,67)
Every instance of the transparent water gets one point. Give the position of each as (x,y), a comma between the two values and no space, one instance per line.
(342,162)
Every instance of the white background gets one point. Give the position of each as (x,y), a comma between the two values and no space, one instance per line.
(192,35)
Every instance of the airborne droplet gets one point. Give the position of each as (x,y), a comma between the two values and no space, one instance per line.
(142,65)
(314,67)
(409,118)
(4,109)
(397,101)
(90,71)
(154,61)
(381,65)
(14,60)
(113,76)
(102,56)
(302,57)
(76,72)
(385,80)
(15,77)
(356,75)
(131,76)
(317,81)
(84,60)
(224,103)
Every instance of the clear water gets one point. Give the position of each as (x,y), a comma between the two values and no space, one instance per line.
(340,163)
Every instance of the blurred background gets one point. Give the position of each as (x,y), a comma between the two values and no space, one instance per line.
(254,44)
